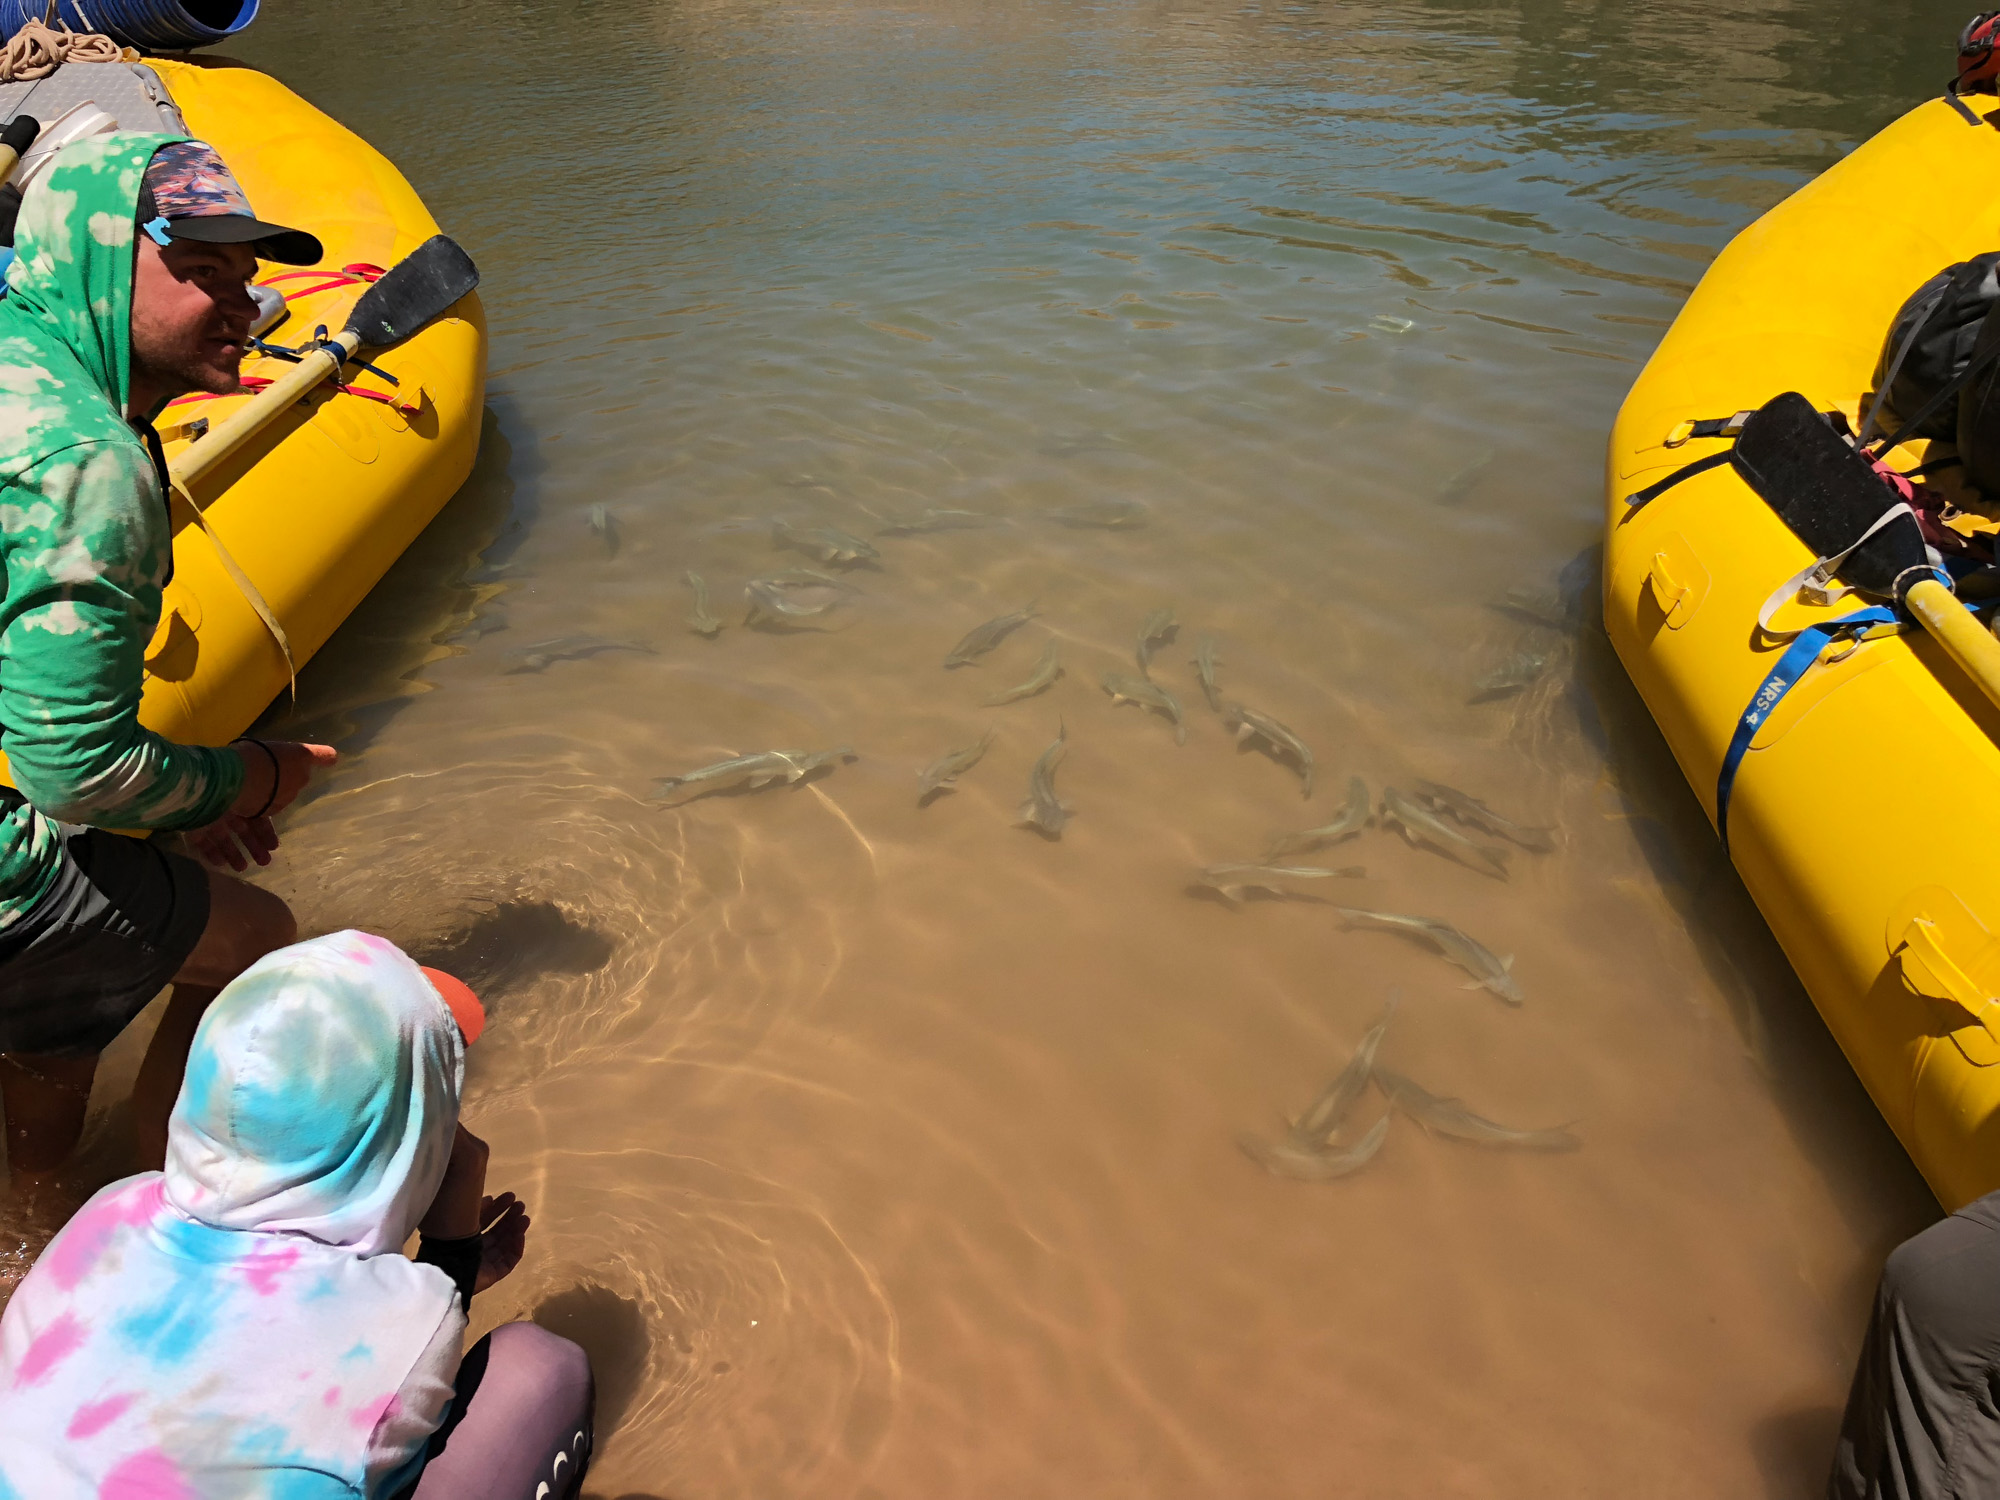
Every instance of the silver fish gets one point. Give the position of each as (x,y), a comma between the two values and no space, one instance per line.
(1158,628)
(543,654)
(939,520)
(1464,479)
(827,543)
(605,525)
(1353,818)
(1538,606)
(948,767)
(1440,1116)
(1523,669)
(753,771)
(1042,811)
(1422,826)
(1047,670)
(1204,668)
(1487,970)
(1147,693)
(1249,725)
(1306,1164)
(1476,814)
(799,594)
(983,638)
(699,619)
(1101,515)
(1315,1129)
(1233,880)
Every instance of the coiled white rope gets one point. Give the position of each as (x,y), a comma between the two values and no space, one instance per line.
(38,49)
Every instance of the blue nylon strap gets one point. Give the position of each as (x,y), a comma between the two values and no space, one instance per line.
(1793,665)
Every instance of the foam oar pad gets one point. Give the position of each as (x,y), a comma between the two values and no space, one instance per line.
(415,290)
(1828,494)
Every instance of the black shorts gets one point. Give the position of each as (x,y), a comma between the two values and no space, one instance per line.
(106,937)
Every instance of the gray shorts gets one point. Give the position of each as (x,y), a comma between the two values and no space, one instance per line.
(107,936)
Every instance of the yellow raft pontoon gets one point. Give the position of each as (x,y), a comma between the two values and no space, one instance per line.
(318,504)
(1865,818)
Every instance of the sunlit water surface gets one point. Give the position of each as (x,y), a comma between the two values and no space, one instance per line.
(878,1150)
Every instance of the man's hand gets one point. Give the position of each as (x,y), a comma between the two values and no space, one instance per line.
(292,762)
(237,837)
(229,838)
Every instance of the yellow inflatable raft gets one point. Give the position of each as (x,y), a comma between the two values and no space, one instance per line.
(1865,818)
(317,505)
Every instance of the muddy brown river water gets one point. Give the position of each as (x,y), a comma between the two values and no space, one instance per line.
(879,1150)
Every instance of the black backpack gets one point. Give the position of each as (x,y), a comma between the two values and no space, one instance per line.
(1929,346)
(1939,373)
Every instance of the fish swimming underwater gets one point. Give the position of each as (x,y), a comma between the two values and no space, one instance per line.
(1047,670)
(1233,880)
(1420,825)
(1470,811)
(1353,818)
(1042,811)
(1158,629)
(1204,668)
(944,772)
(753,771)
(1147,693)
(1538,606)
(800,594)
(699,620)
(1315,1129)
(1522,670)
(1287,1158)
(543,654)
(1487,970)
(605,525)
(939,520)
(1441,1116)
(983,638)
(1249,725)
(1101,515)
(828,543)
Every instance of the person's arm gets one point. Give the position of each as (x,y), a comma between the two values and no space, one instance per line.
(473,1239)
(86,543)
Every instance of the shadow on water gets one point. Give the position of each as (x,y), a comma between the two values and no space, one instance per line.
(367,672)
(1836,1125)
(612,1331)
(1795,1451)
(515,942)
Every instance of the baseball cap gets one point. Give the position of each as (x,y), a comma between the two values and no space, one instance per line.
(464,1005)
(190,195)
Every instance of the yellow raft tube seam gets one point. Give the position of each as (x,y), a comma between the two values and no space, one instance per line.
(318,505)
(1865,819)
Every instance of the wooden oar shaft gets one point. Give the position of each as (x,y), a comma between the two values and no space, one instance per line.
(236,429)
(1964,639)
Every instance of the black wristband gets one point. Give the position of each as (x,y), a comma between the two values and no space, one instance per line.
(458,1259)
(276,775)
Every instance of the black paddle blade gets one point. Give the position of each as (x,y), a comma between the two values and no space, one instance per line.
(1827,493)
(416,289)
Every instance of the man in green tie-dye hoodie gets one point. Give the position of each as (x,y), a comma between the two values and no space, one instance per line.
(133,253)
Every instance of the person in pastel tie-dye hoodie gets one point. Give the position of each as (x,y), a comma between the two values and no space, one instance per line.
(244,1323)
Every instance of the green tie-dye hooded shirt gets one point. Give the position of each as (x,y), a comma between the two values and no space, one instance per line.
(83,533)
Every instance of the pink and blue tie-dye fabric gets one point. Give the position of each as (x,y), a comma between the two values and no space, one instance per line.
(239,1325)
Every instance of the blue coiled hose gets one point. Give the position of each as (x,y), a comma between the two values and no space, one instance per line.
(161,25)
